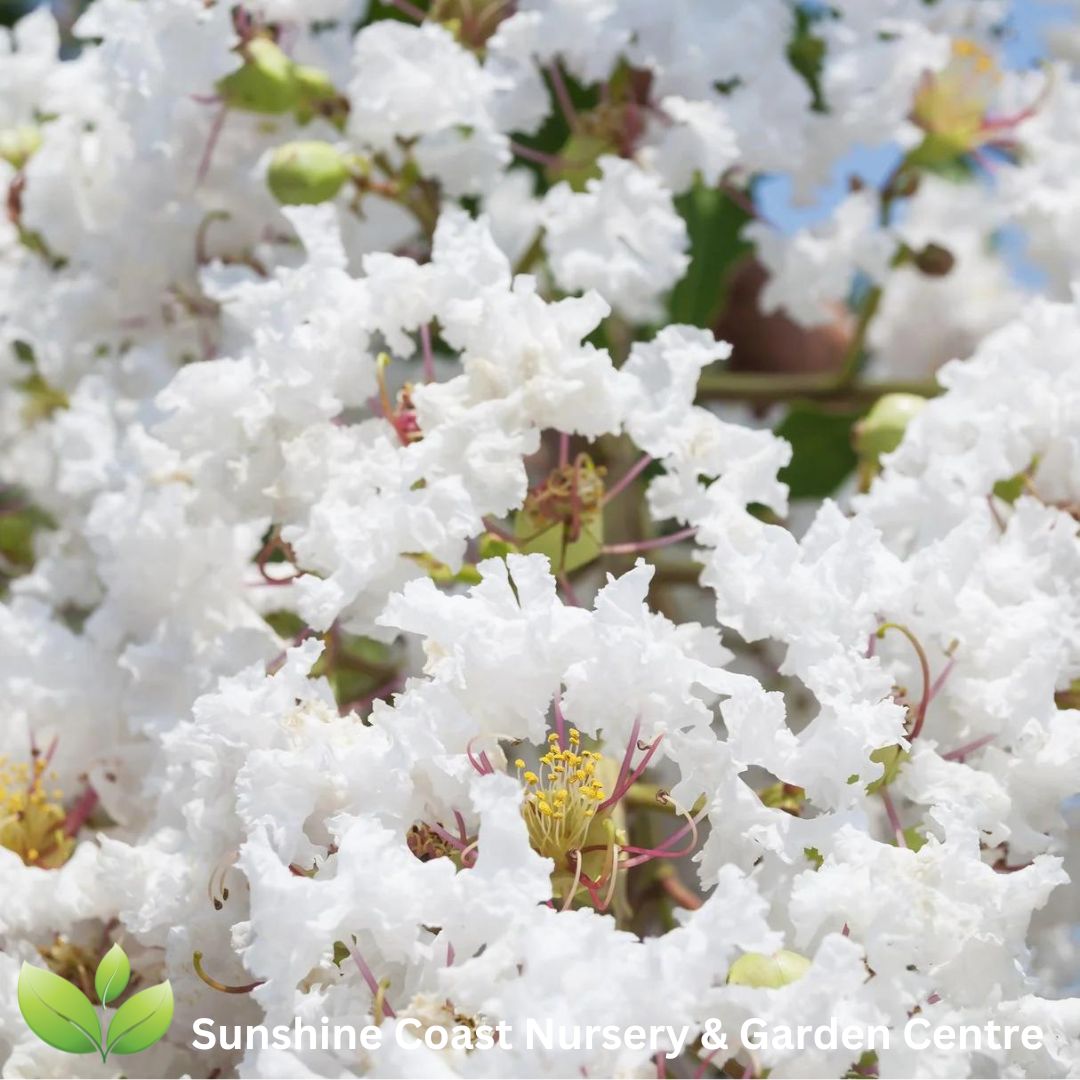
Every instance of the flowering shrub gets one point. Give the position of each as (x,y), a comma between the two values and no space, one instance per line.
(465,561)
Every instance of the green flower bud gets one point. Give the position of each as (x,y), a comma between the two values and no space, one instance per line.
(305,173)
(17,145)
(882,429)
(318,96)
(313,84)
(265,83)
(768,972)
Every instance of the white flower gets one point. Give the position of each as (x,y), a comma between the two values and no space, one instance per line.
(621,236)
(812,271)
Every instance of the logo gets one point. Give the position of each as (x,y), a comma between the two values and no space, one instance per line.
(60,1014)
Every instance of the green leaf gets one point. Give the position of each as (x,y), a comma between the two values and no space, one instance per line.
(57,1012)
(806,54)
(537,536)
(890,758)
(822,456)
(112,975)
(914,838)
(1011,489)
(141,1020)
(578,161)
(713,222)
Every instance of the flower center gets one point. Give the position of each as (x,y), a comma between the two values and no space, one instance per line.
(562,798)
(953,103)
(563,517)
(32,819)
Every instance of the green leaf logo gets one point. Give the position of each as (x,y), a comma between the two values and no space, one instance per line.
(60,1014)
(141,1020)
(112,975)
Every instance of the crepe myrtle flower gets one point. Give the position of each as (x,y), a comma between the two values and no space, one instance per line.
(34,821)
(953,108)
(573,804)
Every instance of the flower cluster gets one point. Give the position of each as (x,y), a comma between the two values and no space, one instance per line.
(465,551)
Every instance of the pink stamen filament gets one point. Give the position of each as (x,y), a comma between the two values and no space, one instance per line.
(939,682)
(549,161)
(627,478)
(962,752)
(643,855)
(410,9)
(429,355)
(372,983)
(497,530)
(482,765)
(560,722)
(449,838)
(80,811)
(211,144)
(571,595)
(562,94)
(639,769)
(706,1061)
(624,768)
(467,849)
(633,547)
(894,818)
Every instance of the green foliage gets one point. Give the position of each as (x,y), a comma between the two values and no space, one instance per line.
(890,758)
(17,528)
(914,838)
(713,221)
(286,624)
(538,535)
(822,456)
(1011,488)
(578,160)
(355,666)
(944,155)
(13,10)
(806,52)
